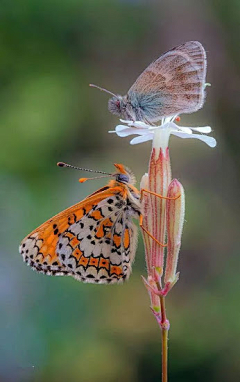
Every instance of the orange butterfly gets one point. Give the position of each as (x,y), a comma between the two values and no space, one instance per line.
(94,240)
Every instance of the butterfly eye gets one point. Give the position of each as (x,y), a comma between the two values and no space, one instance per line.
(123,178)
(118,104)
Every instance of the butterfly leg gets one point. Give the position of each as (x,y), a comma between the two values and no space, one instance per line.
(149,234)
(158,195)
(141,217)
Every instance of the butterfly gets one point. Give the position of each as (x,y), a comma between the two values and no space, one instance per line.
(171,85)
(93,241)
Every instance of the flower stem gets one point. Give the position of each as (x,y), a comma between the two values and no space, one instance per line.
(164,330)
(164,325)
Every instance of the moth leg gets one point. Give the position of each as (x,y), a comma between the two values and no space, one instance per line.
(148,233)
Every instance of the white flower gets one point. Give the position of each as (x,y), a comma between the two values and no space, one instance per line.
(146,132)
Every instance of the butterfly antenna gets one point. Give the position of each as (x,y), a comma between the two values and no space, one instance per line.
(62,164)
(82,180)
(102,89)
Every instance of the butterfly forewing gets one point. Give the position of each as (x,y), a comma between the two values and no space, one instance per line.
(172,84)
(39,247)
(93,241)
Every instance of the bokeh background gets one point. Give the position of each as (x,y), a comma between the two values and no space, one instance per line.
(56,329)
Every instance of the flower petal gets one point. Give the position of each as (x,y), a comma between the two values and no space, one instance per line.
(124,131)
(210,141)
(136,124)
(140,124)
(154,127)
(126,121)
(142,138)
(121,127)
(176,127)
(204,129)
(186,130)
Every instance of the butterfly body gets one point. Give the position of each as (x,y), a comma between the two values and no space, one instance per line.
(171,85)
(93,241)
(129,109)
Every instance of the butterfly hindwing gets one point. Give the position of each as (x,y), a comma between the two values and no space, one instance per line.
(93,241)
(100,247)
(172,84)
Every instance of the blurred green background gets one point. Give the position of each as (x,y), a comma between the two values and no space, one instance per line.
(54,328)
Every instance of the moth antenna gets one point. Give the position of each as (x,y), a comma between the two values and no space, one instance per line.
(62,164)
(102,89)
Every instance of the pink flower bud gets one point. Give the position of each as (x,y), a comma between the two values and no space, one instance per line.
(175,210)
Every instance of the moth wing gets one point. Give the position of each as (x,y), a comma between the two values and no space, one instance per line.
(173,84)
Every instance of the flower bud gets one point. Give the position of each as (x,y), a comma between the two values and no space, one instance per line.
(154,206)
(175,210)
